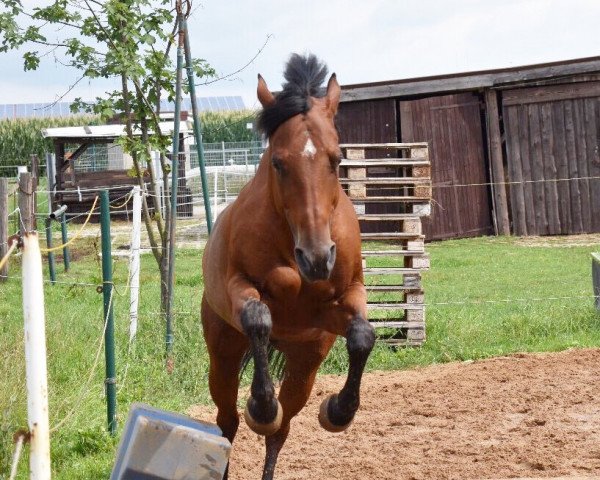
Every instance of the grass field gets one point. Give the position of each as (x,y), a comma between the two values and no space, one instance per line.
(464,274)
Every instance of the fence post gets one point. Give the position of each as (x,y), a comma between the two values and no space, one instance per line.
(158,177)
(35,359)
(3,226)
(109,334)
(51,265)
(35,173)
(64,235)
(216,191)
(50,177)
(134,262)
(26,203)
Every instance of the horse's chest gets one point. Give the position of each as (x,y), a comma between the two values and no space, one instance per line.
(295,304)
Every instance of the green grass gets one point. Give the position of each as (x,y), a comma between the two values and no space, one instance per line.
(464,271)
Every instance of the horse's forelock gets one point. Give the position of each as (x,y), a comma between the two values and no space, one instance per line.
(304,75)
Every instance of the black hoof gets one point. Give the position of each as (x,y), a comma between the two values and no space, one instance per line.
(330,416)
(270,423)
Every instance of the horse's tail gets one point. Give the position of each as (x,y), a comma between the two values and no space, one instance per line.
(276,362)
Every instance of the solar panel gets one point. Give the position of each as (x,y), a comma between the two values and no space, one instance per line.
(62,109)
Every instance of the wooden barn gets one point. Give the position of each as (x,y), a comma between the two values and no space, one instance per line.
(514,150)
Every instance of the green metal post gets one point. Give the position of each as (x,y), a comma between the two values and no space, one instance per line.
(63,229)
(109,335)
(51,266)
(197,127)
(174,182)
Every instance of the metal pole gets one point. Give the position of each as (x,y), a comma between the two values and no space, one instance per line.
(109,334)
(51,265)
(197,129)
(216,192)
(134,262)
(35,359)
(174,181)
(63,231)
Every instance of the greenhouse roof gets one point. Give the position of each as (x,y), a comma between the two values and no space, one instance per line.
(107,131)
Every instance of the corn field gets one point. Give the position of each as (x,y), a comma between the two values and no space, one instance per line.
(228,126)
(19,138)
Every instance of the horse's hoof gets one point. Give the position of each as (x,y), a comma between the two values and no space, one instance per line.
(324,417)
(265,429)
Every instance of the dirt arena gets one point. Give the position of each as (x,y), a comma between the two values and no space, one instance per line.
(522,416)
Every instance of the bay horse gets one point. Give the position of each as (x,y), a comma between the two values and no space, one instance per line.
(282,267)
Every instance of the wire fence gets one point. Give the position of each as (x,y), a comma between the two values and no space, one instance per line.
(81,396)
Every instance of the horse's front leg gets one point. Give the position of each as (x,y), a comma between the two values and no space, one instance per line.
(337,411)
(263,411)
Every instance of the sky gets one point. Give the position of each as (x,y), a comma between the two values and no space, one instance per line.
(362,41)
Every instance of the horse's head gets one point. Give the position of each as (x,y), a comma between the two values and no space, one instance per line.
(304,157)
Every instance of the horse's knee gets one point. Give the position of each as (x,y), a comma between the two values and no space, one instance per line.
(256,319)
(228,422)
(360,337)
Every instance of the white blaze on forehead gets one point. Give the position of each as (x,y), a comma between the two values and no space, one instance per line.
(309,148)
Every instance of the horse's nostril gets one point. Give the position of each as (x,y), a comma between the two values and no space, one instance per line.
(301,258)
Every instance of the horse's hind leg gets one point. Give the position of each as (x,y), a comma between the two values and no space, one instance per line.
(226,347)
(302,363)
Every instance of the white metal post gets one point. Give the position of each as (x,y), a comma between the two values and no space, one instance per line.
(35,359)
(215,193)
(158,185)
(134,262)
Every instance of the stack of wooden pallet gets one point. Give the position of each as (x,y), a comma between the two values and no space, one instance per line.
(390,186)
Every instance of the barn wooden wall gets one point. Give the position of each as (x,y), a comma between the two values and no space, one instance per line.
(451,124)
(373,121)
(553,138)
(547,147)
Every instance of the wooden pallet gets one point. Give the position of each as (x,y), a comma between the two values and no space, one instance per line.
(392,174)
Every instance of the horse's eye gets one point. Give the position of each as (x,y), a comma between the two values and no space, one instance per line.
(277,165)
(335,162)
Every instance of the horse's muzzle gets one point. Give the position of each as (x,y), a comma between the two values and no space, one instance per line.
(315,264)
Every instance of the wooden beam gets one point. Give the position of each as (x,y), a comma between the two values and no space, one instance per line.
(59,154)
(75,155)
(3,226)
(467,81)
(497,163)
(551,93)
(26,191)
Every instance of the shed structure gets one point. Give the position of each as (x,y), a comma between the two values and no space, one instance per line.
(89,158)
(513,150)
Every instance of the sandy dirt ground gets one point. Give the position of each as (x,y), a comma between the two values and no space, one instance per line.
(522,416)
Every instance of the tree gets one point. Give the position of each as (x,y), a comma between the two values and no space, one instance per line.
(127,40)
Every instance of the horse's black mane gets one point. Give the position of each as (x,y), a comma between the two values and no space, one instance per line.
(304,76)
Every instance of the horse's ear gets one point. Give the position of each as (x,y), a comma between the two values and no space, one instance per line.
(265,97)
(333,94)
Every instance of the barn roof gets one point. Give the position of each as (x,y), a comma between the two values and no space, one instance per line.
(471,80)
